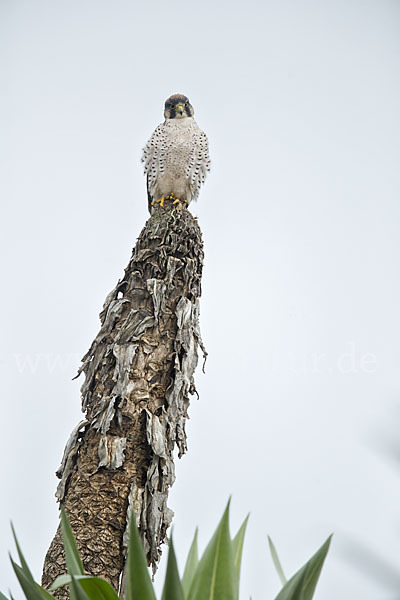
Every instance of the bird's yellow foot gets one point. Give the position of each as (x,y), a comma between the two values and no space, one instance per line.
(170,197)
(160,201)
(179,202)
(173,198)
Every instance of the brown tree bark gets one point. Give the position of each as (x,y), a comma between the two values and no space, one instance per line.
(138,377)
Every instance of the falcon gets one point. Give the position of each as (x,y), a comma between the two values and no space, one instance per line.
(176,156)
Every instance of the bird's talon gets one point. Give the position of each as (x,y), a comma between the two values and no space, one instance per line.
(180,202)
(171,197)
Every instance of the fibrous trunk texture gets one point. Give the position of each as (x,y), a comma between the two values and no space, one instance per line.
(138,377)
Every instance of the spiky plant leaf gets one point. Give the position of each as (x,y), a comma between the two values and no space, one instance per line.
(138,582)
(73,560)
(32,590)
(302,585)
(172,587)
(95,587)
(277,562)
(237,545)
(215,577)
(191,564)
(60,581)
(77,592)
(24,564)
(3,597)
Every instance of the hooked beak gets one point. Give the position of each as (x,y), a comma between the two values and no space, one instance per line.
(180,109)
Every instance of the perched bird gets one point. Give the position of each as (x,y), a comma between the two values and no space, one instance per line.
(176,156)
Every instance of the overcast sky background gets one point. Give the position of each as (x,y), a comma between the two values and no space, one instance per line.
(299,410)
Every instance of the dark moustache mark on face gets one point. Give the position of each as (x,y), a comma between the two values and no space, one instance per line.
(173,101)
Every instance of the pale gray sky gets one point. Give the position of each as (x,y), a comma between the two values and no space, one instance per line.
(300,215)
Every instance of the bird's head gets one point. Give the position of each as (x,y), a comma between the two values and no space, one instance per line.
(178,107)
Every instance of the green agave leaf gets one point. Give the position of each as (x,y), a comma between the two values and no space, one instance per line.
(191,565)
(172,587)
(95,587)
(77,592)
(138,582)
(215,577)
(297,592)
(302,585)
(3,597)
(74,562)
(32,590)
(277,562)
(60,582)
(44,594)
(24,564)
(237,545)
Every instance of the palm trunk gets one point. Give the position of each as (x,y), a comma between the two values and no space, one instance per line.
(138,377)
